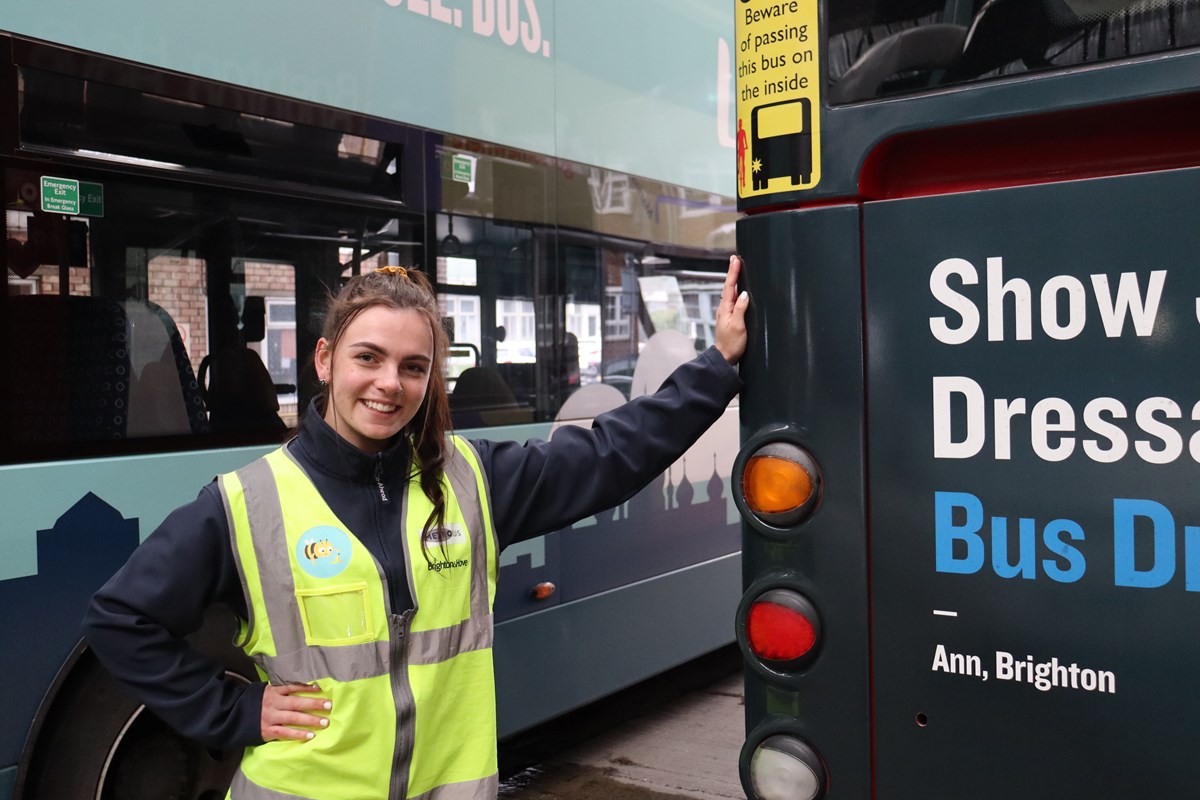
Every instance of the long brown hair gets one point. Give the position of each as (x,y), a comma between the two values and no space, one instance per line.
(400,288)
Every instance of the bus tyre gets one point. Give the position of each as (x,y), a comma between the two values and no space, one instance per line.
(98,743)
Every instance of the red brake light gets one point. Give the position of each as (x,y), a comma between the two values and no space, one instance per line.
(778,633)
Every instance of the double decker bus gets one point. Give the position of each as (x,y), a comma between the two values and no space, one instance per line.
(178,203)
(971,423)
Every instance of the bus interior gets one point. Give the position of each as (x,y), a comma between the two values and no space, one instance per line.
(879,48)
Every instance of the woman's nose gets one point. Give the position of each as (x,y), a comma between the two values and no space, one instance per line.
(389,382)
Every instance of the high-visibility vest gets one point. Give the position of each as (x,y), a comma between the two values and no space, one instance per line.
(413,694)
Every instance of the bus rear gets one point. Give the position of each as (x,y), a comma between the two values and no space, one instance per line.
(971,433)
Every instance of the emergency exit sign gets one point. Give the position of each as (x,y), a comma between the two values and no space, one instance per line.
(463,169)
(91,199)
(60,195)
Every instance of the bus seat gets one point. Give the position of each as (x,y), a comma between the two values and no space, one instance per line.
(101,370)
(164,397)
(1074,13)
(1093,30)
(237,387)
(521,379)
(1002,32)
(481,397)
(240,392)
(936,46)
(71,382)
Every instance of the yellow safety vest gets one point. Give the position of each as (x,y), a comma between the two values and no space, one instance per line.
(413,694)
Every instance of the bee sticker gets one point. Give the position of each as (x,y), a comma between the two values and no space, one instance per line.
(323,551)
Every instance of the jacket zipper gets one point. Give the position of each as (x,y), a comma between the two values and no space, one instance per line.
(403,698)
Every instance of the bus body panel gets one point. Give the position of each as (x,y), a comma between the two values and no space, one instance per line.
(69,527)
(808,347)
(1059,536)
(1029,432)
(644,628)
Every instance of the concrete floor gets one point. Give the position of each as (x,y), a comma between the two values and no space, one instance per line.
(686,747)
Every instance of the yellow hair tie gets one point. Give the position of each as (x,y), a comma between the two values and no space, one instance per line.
(401,271)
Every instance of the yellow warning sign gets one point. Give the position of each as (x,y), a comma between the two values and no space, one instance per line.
(778,97)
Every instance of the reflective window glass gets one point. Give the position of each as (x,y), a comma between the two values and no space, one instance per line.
(881,48)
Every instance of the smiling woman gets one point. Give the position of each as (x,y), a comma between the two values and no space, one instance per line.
(375,362)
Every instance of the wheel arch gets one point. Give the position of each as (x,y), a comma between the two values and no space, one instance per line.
(82,670)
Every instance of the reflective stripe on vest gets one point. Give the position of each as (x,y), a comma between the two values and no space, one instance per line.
(413,695)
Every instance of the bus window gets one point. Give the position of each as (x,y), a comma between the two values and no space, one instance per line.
(486,295)
(168,319)
(885,48)
(663,306)
(460,315)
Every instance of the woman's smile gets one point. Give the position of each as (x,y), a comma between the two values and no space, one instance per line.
(383,408)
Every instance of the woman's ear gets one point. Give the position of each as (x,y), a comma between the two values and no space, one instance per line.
(322,359)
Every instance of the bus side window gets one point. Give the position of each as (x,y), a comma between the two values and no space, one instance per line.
(238,389)
(482,397)
(101,370)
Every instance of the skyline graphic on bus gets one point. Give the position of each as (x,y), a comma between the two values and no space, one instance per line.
(781,142)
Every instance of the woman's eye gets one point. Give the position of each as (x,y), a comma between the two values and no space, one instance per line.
(365,357)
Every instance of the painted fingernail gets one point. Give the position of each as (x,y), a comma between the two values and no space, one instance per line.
(310,734)
(328,705)
(324,723)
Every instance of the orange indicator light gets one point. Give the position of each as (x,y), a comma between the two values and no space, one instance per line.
(774,485)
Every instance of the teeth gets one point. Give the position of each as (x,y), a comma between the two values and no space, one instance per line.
(379,406)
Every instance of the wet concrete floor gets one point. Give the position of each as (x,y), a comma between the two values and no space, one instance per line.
(675,738)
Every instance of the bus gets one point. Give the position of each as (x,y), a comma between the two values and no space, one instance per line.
(179,203)
(971,428)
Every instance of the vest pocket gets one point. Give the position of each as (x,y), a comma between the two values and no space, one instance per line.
(335,615)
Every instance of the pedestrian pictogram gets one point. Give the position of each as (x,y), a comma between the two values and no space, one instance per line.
(778,97)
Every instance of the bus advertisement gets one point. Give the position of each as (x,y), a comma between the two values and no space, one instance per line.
(176,215)
(971,433)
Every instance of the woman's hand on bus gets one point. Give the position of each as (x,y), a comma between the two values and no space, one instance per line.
(284,710)
(731,315)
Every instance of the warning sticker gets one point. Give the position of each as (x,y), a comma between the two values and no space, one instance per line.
(778,97)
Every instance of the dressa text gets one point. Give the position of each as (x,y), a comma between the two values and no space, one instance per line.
(1104,430)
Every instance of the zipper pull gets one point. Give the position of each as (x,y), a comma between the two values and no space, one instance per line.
(379,480)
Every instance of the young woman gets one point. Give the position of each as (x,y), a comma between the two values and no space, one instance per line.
(362,558)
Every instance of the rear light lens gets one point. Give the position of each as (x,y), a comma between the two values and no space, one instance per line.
(784,767)
(781,626)
(778,627)
(776,485)
(780,484)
